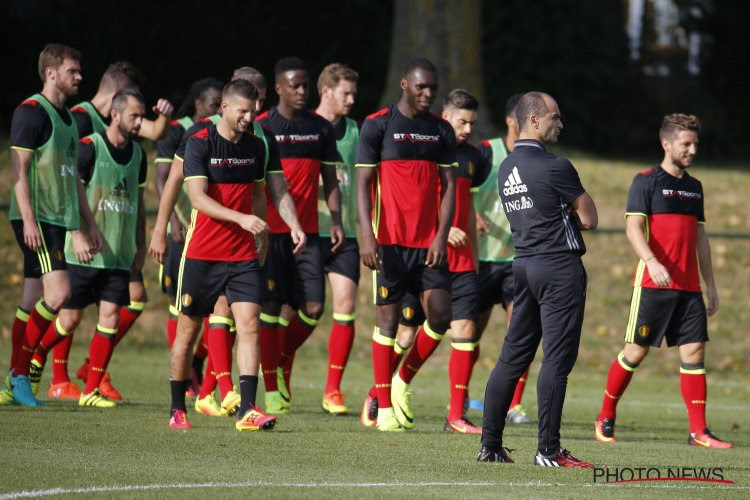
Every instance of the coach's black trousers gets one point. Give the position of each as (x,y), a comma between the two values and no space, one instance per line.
(550,297)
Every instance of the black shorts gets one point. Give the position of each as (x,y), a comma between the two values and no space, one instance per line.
(51,255)
(293,279)
(169,272)
(463,301)
(89,285)
(202,281)
(678,315)
(402,270)
(345,261)
(496,284)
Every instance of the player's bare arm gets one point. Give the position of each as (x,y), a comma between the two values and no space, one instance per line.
(288,212)
(21,160)
(177,231)
(333,200)
(635,230)
(368,248)
(199,199)
(437,253)
(157,129)
(158,245)
(707,269)
(87,218)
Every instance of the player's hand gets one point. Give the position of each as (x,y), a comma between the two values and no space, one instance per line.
(337,237)
(299,238)
(369,252)
(253,224)
(163,107)
(436,254)
(31,235)
(457,238)
(659,274)
(96,239)
(81,247)
(261,247)
(483,226)
(158,246)
(713,301)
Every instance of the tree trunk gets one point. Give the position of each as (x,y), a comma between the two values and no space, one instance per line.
(448,33)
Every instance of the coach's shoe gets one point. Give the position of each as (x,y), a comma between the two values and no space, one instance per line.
(22,394)
(487,455)
(517,415)
(276,404)
(333,403)
(230,402)
(369,415)
(107,389)
(401,396)
(389,423)
(96,400)
(35,375)
(209,406)
(604,430)
(64,390)
(284,391)
(82,373)
(562,458)
(462,425)
(707,439)
(255,419)
(178,420)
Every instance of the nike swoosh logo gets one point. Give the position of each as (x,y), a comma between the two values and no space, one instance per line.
(408,419)
(702,443)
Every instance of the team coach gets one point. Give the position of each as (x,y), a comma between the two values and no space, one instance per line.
(547,208)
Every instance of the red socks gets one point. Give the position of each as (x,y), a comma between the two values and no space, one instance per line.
(396,354)
(618,378)
(52,337)
(693,389)
(128,315)
(18,334)
(39,320)
(172,325)
(425,344)
(298,331)
(269,350)
(520,386)
(339,346)
(60,355)
(100,352)
(220,343)
(382,356)
(459,373)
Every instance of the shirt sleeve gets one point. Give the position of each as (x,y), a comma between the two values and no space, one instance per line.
(86,159)
(143,171)
(83,121)
(30,126)
(370,144)
(195,162)
(481,171)
(274,159)
(564,181)
(331,154)
(639,195)
(701,213)
(166,148)
(448,140)
(180,151)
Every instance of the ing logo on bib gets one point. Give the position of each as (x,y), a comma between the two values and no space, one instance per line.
(186,300)
(644,330)
(383,292)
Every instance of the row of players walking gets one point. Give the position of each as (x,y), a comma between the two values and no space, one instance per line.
(257,208)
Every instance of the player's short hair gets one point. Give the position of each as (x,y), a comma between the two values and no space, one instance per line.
(674,123)
(419,63)
(250,74)
(285,64)
(197,91)
(530,103)
(120,99)
(240,88)
(53,55)
(461,99)
(510,105)
(122,74)
(333,74)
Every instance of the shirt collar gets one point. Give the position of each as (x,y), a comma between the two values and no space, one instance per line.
(529,142)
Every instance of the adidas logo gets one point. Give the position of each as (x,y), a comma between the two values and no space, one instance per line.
(514,185)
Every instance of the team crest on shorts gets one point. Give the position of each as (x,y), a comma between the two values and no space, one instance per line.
(60,255)
(167,280)
(408,312)
(470,168)
(186,300)
(270,285)
(644,330)
(383,292)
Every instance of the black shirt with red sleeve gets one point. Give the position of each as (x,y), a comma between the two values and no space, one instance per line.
(472,171)
(407,153)
(231,169)
(673,207)
(167,147)
(305,144)
(83,120)
(31,126)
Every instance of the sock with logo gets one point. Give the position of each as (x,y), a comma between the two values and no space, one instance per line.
(396,354)
(459,372)
(209,379)
(694,392)
(299,330)
(100,352)
(520,386)
(382,362)
(128,315)
(172,325)
(424,345)
(618,378)
(18,332)
(248,391)
(54,335)
(339,346)
(220,350)
(286,368)
(269,350)
(60,356)
(39,320)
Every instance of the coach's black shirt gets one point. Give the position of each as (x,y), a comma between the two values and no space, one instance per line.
(536,189)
